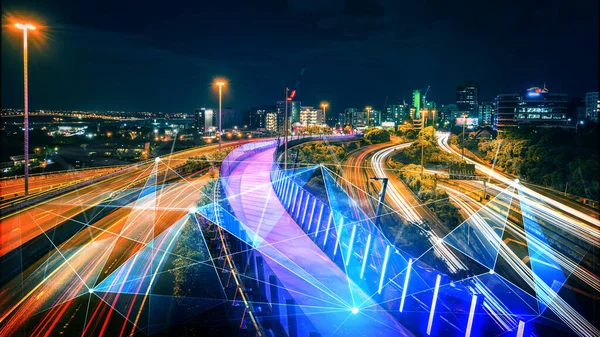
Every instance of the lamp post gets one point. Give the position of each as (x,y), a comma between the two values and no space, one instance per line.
(25,27)
(384,182)
(285,129)
(324,106)
(463,135)
(369,115)
(220,84)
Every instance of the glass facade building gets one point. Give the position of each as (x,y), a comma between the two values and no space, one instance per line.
(533,107)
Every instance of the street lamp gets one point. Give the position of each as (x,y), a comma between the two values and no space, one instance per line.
(369,115)
(384,182)
(25,27)
(220,84)
(324,106)
(464,115)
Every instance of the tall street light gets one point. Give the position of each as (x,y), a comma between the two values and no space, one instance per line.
(464,116)
(25,27)
(368,115)
(220,84)
(324,106)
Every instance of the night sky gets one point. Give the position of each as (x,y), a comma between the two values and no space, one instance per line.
(163,55)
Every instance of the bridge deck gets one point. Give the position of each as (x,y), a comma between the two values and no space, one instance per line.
(325,297)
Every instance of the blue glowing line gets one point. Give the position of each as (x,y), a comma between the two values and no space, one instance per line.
(435,295)
(405,284)
(312,213)
(319,222)
(521,329)
(293,201)
(351,244)
(471,314)
(286,192)
(328,226)
(298,203)
(302,196)
(383,268)
(338,236)
(289,193)
(365,257)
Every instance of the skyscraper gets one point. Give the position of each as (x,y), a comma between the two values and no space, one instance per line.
(467,97)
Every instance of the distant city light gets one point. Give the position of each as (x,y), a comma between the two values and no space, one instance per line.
(355,310)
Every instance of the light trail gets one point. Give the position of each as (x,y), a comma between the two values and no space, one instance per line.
(443,143)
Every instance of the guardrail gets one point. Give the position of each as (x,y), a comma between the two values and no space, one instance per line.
(395,280)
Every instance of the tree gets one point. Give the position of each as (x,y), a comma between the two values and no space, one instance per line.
(376,136)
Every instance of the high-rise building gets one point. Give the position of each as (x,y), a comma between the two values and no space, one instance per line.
(311,116)
(592,105)
(467,97)
(204,120)
(293,114)
(486,112)
(257,116)
(396,113)
(534,107)
(416,104)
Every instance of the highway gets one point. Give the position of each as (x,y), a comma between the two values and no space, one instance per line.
(515,239)
(19,228)
(61,280)
(443,143)
(11,188)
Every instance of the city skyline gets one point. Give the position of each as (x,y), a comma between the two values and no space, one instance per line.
(98,64)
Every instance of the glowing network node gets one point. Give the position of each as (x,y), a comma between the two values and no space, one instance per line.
(355,310)
(516,181)
(193,210)
(492,271)
(157,159)
(91,290)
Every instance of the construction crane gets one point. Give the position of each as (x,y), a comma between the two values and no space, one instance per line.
(425,94)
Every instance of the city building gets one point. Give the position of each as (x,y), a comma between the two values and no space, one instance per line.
(533,107)
(355,117)
(204,120)
(293,114)
(486,112)
(374,117)
(342,118)
(271,121)
(467,98)
(311,116)
(416,105)
(231,117)
(592,105)
(396,113)
(257,117)
(448,113)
